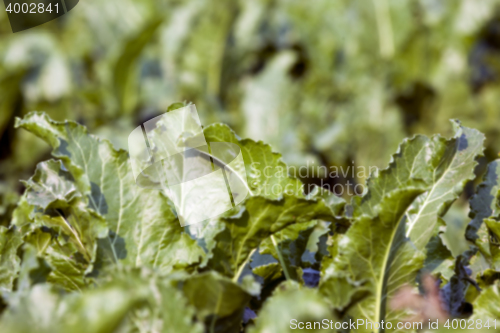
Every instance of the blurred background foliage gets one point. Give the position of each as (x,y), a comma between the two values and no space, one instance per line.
(334,83)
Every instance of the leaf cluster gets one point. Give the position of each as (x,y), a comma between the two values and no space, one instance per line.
(87,248)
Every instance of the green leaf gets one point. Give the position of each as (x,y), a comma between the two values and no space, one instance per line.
(81,225)
(288,246)
(22,216)
(176,312)
(452,228)
(100,311)
(10,240)
(123,83)
(143,228)
(52,186)
(250,285)
(65,239)
(47,255)
(317,244)
(494,240)
(33,270)
(341,291)
(267,174)
(439,260)
(261,218)
(440,166)
(291,301)
(455,167)
(336,203)
(175,106)
(132,300)
(407,169)
(269,272)
(213,294)
(68,271)
(486,305)
(374,252)
(166,309)
(484,204)
(59,205)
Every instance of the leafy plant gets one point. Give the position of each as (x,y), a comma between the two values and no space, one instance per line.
(87,249)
